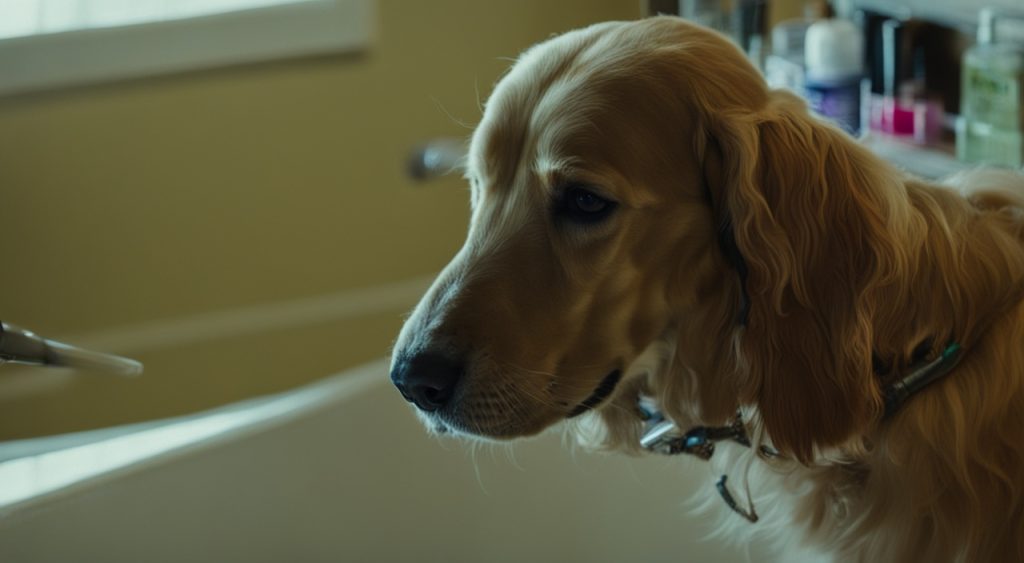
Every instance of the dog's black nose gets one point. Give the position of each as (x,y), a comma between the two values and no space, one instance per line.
(427,379)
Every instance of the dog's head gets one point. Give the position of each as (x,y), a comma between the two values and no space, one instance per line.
(605,165)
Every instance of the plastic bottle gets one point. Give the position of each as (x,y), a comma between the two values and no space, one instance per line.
(834,55)
(991,125)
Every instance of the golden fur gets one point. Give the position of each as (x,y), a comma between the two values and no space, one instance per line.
(849,260)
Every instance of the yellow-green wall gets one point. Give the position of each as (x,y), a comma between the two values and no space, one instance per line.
(173,196)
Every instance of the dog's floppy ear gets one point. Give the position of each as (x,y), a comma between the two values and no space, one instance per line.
(809,220)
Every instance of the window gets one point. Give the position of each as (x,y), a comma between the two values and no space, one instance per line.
(34,17)
(52,43)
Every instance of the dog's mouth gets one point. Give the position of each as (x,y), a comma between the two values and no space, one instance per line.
(602,392)
(441,424)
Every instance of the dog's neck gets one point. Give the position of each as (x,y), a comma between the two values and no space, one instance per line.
(663,436)
(913,324)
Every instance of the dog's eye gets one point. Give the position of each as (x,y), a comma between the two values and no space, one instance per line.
(586,202)
(584,206)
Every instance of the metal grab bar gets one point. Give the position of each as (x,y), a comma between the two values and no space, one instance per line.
(20,346)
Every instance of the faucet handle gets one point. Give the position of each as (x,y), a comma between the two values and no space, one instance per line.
(436,158)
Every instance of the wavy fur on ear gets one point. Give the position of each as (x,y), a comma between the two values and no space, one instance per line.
(822,231)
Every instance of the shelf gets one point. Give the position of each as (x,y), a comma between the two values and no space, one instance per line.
(926,162)
(958,14)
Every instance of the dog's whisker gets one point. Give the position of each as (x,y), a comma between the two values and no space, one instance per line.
(479,102)
(474,450)
(454,119)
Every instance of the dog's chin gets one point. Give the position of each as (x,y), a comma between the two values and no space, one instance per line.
(490,430)
(491,427)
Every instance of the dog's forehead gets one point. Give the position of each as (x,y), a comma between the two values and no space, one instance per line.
(566,106)
(517,124)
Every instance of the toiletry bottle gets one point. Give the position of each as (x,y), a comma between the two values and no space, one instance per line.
(709,13)
(991,125)
(905,110)
(834,59)
(748,27)
(784,67)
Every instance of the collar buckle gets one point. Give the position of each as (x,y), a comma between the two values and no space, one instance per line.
(665,438)
(662,436)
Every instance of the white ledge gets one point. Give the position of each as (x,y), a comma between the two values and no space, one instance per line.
(87,56)
(38,469)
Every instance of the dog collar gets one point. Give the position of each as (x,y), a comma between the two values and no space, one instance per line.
(897,393)
(662,436)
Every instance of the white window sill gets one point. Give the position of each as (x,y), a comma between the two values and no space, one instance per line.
(72,58)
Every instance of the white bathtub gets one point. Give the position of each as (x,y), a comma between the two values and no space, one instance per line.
(340,470)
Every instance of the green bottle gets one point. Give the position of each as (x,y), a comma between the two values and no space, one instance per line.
(991,125)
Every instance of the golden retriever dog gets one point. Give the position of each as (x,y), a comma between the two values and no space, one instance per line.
(651,221)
